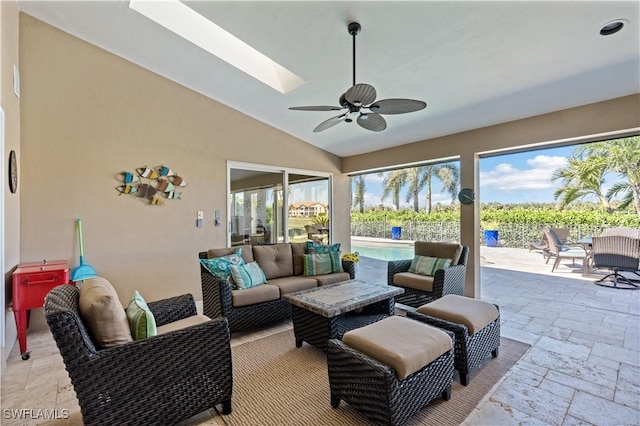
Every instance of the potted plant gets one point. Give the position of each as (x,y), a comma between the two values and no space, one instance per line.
(352,257)
(396,229)
(490,233)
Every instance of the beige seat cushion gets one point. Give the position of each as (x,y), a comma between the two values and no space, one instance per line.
(276,261)
(437,249)
(247,253)
(183,323)
(103,313)
(253,295)
(336,277)
(475,314)
(402,344)
(411,280)
(293,284)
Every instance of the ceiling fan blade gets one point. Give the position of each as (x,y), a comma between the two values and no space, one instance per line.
(316,108)
(397,106)
(329,123)
(372,121)
(361,94)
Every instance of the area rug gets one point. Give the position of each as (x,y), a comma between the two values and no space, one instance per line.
(275,383)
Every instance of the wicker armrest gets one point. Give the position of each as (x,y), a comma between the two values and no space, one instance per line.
(396,266)
(450,280)
(216,295)
(173,309)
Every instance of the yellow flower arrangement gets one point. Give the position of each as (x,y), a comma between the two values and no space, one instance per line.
(352,257)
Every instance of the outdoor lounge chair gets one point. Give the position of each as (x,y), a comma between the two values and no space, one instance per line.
(565,250)
(618,253)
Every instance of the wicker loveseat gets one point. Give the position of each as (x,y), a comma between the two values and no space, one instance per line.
(420,289)
(254,307)
(158,380)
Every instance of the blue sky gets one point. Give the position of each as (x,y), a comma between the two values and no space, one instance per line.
(513,178)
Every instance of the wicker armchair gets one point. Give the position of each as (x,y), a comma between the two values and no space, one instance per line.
(618,253)
(159,380)
(449,280)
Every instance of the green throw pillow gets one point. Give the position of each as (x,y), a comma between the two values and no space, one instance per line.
(141,320)
(322,248)
(321,264)
(247,275)
(425,265)
(221,266)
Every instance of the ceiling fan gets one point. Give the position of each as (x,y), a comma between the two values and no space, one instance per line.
(359,103)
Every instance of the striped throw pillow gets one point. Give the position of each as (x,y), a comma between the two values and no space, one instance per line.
(247,275)
(141,319)
(425,265)
(321,264)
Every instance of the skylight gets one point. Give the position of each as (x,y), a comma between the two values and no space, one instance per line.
(187,23)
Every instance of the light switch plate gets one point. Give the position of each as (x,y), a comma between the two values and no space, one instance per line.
(200,215)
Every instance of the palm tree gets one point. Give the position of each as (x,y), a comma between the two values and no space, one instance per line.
(359,191)
(581,177)
(392,185)
(447,173)
(416,178)
(623,157)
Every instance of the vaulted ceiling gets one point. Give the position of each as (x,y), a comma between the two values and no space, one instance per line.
(475,63)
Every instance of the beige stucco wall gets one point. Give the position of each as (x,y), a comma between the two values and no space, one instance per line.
(11,106)
(619,116)
(88,115)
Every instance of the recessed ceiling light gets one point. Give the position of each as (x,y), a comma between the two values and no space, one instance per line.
(190,25)
(612,27)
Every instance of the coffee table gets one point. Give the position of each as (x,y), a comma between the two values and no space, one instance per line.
(329,311)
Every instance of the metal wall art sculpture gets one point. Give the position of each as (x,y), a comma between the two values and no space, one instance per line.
(154,186)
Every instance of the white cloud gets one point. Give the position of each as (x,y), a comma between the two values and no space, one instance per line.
(506,177)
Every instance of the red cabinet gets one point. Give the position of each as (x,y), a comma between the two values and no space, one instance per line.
(31,283)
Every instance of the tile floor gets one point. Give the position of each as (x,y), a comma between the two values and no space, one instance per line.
(583,367)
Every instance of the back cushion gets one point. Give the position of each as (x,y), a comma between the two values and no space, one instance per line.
(276,261)
(436,249)
(103,313)
(298,251)
(247,254)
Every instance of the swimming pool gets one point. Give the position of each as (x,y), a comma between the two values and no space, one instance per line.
(384,252)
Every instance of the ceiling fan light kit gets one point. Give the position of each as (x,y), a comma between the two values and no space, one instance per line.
(360,98)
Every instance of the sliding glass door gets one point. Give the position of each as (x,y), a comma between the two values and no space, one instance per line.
(260,210)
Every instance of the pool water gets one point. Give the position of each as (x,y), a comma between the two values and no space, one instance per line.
(384,252)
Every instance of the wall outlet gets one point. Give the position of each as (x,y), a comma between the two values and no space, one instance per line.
(199,223)
(216,215)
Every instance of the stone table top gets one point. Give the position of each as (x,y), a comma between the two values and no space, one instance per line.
(335,299)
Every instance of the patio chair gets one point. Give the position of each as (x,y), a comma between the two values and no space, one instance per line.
(420,289)
(159,380)
(617,253)
(565,250)
(543,245)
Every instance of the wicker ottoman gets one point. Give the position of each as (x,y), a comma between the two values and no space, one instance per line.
(390,369)
(475,323)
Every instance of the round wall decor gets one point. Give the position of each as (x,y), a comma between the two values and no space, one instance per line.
(13,172)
